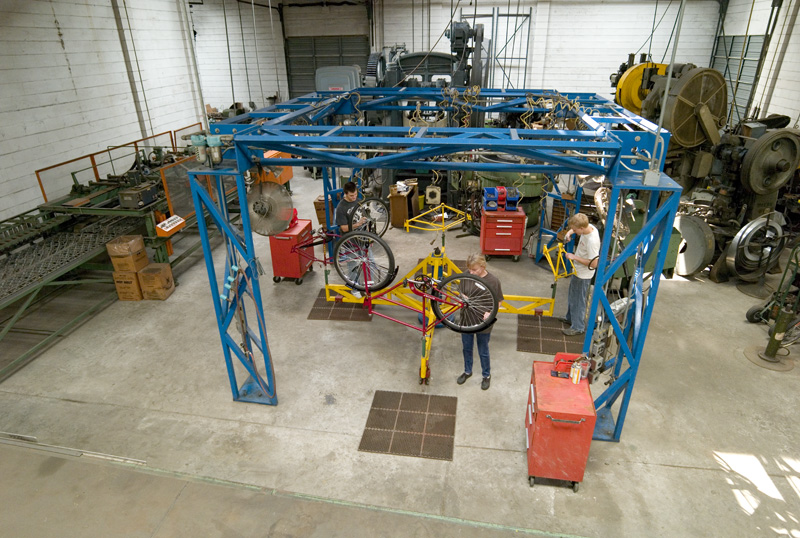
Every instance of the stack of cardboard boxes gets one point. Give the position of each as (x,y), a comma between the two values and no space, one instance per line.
(134,276)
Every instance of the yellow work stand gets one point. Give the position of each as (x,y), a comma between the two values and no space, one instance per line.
(437,266)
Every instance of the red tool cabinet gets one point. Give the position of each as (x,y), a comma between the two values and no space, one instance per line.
(288,264)
(559,423)
(503,232)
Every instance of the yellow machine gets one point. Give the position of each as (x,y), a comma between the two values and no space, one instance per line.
(630,89)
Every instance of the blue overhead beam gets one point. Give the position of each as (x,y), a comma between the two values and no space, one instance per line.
(612,142)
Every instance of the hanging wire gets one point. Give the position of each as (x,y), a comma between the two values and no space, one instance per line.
(671,35)
(653,31)
(138,70)
(429,52)
(517,28)
(228,43)
(274,51)
(650,37)
(258,60)
(244,53)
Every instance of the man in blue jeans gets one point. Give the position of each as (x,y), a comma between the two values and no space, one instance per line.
(585,262)
(476,265)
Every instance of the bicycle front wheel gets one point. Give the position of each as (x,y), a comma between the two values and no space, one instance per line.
(465,303)
(364,260)
(377,214)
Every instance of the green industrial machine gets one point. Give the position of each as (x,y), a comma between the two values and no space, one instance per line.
(53,258)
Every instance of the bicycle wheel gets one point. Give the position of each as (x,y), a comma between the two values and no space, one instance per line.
(377,214)
(363,259)
(466,304)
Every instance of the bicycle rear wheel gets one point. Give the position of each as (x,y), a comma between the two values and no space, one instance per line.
(377,214)
(466,303)
(363,259)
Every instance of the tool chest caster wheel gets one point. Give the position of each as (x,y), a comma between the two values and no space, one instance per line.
(298,281)
(276,279)
(576,486)
(515,258)
(531,480)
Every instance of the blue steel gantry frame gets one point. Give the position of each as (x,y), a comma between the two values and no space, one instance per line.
(608,141)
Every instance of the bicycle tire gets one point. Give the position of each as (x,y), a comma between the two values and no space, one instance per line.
(464,301)
(360,254)
(377,214)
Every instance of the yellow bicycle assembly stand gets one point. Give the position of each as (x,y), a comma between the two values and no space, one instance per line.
(438,266)
(560,269)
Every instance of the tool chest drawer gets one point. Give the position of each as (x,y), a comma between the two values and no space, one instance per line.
(503,232)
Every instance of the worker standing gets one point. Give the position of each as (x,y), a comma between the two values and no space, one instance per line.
(585,261)
(346,207)
(476,265)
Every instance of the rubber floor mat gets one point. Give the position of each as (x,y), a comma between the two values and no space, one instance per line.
(408,424)
(324,309)
(542,334)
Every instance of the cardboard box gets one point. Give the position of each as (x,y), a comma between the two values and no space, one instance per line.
(125,245)
(319,207)
(156,281)
(128,288)
(130,264)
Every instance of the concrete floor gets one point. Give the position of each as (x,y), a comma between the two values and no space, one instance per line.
(709,446)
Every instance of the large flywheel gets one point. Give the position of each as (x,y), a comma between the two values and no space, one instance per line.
(771,161)
(700,93)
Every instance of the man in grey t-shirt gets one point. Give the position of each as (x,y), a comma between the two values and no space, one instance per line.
(346,207)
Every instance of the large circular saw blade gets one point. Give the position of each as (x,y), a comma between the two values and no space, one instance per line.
(270,208)
(697,245)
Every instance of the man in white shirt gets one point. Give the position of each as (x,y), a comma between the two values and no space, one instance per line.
(585,261)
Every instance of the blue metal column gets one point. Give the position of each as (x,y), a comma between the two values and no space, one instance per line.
(661,209)
(238,288)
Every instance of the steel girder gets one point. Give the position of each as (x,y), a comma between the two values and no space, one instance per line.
(238,289)
(614,143)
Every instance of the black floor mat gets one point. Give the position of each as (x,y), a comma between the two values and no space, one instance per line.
(542,334)
(408,424)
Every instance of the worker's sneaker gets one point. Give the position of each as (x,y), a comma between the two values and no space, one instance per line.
(485,382)
(562,320)
(463,378)
(571,332)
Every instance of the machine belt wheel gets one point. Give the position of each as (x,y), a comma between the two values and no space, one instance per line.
(755,249)
(771,161)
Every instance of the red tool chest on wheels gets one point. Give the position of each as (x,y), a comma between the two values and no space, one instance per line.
(288,264)
(559,423)
(503,233)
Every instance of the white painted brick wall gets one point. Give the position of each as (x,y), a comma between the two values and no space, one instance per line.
(212,53)
(64,89)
